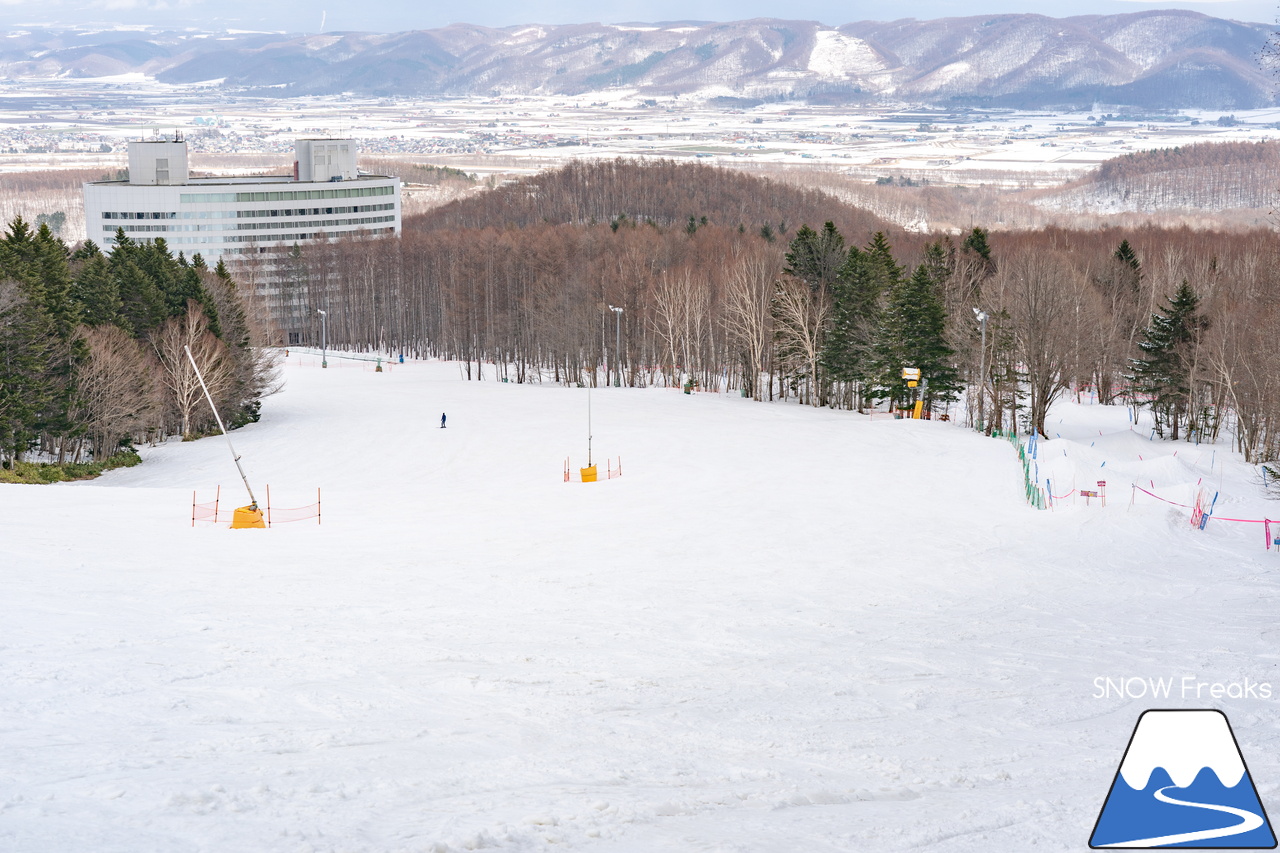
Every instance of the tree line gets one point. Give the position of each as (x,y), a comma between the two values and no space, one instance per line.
(92,346)
(721,283)
(806,313)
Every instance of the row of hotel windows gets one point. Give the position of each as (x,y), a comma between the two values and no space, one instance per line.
(245,214)
(284,195)
(259,249)
(254,238)
(249,226)
(151,215)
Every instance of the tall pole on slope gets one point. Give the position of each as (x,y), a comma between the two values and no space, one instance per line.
(253,502)
(982,369)
(617,346)
(324,337)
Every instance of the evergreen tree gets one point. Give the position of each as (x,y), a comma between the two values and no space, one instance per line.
(1163,373)
(30,357)
(854,316)
(155,261)
(50,267)
(40,323)
(97,293)
(857,296)
(187,286)
(884,271)
(143,303)
(977,243)
(912,334)
(816,258)
(844,347)
(88,249)
(1124,254)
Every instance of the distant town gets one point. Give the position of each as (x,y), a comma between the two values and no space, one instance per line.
(80,124)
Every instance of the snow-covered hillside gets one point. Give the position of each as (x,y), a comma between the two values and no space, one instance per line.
(1151,59)
(783,629)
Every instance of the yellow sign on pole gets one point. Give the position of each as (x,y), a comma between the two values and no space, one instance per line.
(912,375)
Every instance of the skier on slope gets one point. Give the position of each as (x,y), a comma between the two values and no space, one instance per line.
(442,420)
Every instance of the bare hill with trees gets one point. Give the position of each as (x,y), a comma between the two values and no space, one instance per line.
(662,192)
(1206,176)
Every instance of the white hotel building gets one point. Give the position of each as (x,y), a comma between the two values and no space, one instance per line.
(237,218)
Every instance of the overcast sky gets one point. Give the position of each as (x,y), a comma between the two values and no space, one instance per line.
(395,15)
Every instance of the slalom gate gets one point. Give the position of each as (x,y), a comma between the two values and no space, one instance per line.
(214,512)
(590,474)
(1200,516)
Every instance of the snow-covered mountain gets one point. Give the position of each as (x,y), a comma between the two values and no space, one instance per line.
(1151,59)
(1183,743)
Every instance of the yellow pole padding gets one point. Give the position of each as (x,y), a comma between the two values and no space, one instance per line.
(589,474)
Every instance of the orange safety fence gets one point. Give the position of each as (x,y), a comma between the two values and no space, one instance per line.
(571,476)
(214,512)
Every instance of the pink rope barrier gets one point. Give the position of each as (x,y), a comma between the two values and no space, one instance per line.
(1166,500)
(1265,522)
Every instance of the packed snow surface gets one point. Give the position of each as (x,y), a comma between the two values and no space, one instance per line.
(783,629)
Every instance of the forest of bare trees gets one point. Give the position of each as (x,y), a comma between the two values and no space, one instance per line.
(1234,177)
(517,284)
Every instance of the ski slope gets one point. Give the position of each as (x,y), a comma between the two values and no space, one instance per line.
(783,629)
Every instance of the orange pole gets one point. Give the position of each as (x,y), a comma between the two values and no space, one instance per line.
(317,504)
(217,496)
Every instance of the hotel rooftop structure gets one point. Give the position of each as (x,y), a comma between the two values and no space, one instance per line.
(236,218)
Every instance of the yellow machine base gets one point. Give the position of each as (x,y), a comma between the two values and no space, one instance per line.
(247,516)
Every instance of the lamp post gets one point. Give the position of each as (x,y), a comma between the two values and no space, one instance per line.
(324,337)
(617,345)
(982,369)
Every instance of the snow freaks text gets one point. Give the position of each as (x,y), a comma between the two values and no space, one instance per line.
(1183,687)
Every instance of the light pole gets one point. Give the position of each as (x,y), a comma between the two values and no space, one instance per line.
(982,369)
(324,337)
(617,345)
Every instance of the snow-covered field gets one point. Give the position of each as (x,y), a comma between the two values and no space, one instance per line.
(784,629)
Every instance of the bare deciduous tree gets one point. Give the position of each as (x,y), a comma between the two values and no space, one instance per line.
(116,387)
(747,320)
(1041,291)
(681,317)
(800,319)
(184,393)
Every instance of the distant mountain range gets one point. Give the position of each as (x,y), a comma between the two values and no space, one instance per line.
(1149,60)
